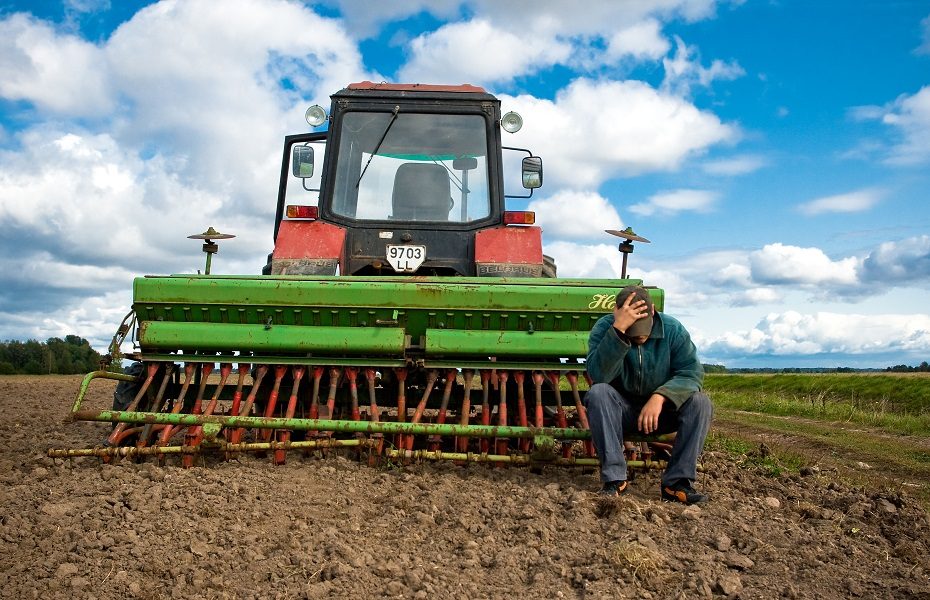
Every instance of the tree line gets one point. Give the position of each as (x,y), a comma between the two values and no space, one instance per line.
(921,368)
(62,356)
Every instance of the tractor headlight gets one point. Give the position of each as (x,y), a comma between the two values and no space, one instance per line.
(315,115)
(511,122)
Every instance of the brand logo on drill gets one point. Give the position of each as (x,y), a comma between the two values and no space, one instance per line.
(603,301)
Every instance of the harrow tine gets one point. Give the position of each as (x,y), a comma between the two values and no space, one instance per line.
(373,416)
(279,372)
(431,378)
(572,377)
(243,370)
(195,434)
(560,418)
(237,395)
(435,440)
(501,443)
(373,410)
(168,431)
(538,381)
(518,378)
(284,436)
(225,371)
(260,372)
(335,374)
(117,434)
(156,406)
(468,378)
(352,376)
(401,374)
(190,438)
(315,397)
(485,443)
(205,370)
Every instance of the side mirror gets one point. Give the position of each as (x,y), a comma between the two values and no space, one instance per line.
(532,172)
(465,163)
(302,162)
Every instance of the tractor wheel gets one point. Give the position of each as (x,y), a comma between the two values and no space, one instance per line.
(548,269)
(127,390)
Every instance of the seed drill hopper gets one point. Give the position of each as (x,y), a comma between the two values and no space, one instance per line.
(404,314)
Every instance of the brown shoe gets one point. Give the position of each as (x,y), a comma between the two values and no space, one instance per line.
(684,493)
(614,488)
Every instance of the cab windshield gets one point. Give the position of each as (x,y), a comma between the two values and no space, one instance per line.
(412,167)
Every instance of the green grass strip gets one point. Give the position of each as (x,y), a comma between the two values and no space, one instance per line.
(820,408)
(885,393)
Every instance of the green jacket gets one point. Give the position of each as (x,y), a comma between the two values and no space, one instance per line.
(666,364)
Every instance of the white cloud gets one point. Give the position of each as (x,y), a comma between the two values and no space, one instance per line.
(205,94)
(533,17)
(924,47)
(575,215)
(675,201)
(94,318)
(909,118)
(58,72)
(684,70)
(115,208)
(203,81)
(906,260)
(764,276)
(87,6)
(791,333)
(736,165)
(630,129)
(857,201)
(471,51)
(599,261)
(535,35)
(755,297)
(778,264)
(643,41)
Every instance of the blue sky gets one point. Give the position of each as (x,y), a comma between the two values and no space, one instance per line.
(777,154)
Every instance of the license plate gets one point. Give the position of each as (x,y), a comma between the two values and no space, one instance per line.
(406,259)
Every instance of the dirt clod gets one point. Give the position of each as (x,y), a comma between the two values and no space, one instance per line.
(335,527)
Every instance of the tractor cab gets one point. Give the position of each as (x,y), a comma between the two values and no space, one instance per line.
(403,182)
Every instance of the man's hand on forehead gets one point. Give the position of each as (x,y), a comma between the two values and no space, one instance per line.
(632,310)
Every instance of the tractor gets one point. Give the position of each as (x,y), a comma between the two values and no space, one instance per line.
(404,313)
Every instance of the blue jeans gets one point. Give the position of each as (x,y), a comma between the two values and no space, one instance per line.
(610,414)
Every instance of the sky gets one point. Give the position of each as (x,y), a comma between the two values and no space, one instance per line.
(776,153)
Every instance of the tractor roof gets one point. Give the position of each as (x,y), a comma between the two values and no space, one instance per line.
(365,89)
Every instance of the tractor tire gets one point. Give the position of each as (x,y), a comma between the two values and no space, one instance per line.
(548,269)
(126,390)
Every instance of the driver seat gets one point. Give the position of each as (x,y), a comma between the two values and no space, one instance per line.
(421,193)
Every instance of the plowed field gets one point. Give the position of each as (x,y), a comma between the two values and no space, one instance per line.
(336,528)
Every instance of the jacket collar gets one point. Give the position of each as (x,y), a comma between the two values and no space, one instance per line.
(658,327)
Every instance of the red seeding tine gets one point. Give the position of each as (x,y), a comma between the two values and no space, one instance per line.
(502,377)
(485,443)
(468,377)
(435,441)
(518,378)
(284,436)
(572,377)
(431,378)
(260,372)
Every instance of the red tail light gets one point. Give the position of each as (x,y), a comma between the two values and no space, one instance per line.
(519,217)
(295,211)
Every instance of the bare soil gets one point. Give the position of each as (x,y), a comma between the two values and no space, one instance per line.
(333,527)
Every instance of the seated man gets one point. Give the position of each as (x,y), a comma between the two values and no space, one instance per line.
(646,377)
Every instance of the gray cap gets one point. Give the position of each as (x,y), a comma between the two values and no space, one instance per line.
(643,325)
